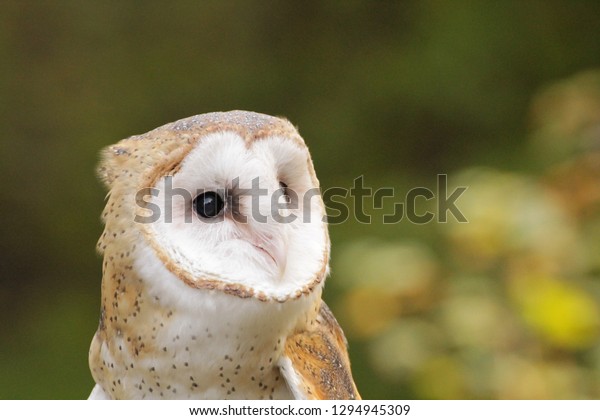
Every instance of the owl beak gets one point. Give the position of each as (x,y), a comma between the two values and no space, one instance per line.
(279,250)
(276,248)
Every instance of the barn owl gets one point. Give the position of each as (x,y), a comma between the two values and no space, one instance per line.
(207,292)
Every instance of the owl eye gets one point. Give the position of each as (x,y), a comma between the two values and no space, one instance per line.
(284,187)
(208,204)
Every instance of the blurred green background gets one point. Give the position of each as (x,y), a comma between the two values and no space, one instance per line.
(504,97)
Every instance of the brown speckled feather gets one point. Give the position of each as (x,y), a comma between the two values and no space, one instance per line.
(319,361)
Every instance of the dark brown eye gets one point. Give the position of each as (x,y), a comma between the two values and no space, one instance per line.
(208,205)
(283,186)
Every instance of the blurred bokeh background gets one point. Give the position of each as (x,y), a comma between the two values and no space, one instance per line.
(504,97)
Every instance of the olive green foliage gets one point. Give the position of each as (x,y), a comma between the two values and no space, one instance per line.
(504,97)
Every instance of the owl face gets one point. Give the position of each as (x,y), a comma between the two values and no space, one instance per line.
(227,201)
(243,213)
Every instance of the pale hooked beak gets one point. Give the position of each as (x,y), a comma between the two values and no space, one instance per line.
(275,248)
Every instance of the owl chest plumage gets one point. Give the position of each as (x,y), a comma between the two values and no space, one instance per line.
(159,338)
(181,357)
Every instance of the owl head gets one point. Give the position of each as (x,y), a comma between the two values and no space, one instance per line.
(227,201)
